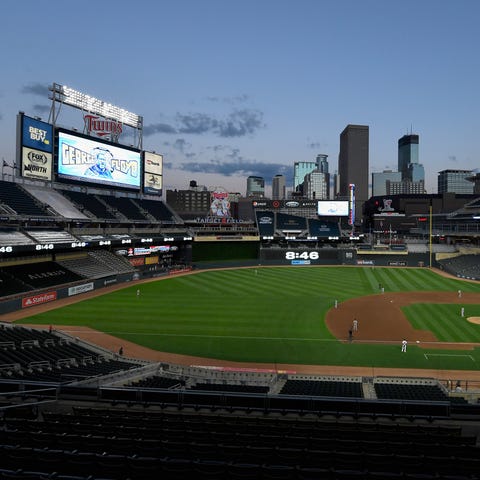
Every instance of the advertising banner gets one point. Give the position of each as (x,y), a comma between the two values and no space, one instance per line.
(153,177)
(87,287)
(39,299)
(37,134)
(36,164)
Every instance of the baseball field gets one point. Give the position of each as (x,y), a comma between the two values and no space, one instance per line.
(287,315)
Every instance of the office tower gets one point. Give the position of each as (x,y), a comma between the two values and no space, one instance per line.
(322,163)
(455,181)
(379,181)
(315,185)
(353,165)
(255,186)
(300,169)
(278,187)
(407,155)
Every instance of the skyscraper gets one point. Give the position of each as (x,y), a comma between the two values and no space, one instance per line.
(407,155)
(255,186)
(278,187)
(315,185)
(353,164)
(300,169)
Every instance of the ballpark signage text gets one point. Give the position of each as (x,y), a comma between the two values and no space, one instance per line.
(38,299)
(95,125)
(36,164)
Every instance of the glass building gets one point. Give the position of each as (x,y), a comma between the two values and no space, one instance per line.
(255,186)
(455,181)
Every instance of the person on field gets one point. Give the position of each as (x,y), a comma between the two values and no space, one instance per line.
(355,325)
(404,345)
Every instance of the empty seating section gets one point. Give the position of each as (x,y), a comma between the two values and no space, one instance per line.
(76,440)
(111,261)
(87,265)
(327,388)
(13,237)
(55,200)
(323,228)
(9,285)
(133,444)
(158,210)
(400,391)
(290,223)
(19,201)
(467,266)
(90,203)
(265,223)
(51,236)
(36,355)
(16,279)
(125,206)
(226,387)
(158,381)
(41,275)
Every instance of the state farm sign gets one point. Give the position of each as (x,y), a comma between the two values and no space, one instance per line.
(38,299)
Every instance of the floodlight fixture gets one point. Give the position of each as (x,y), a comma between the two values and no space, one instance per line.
(82,101)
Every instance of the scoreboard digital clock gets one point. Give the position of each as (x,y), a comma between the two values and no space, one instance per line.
(305,255)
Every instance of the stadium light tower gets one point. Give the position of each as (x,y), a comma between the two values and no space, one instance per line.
(73,98)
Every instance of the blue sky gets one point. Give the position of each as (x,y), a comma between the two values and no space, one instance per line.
(229,89)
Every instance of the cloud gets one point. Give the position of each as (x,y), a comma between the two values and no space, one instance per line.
(238,123)
(230,100)
(36,89)
(158,128)
(240,167)
(197,123)
(41,108)
(181,145)
(241,123)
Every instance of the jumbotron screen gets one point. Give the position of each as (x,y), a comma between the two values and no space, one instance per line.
(83,159)
(336,208)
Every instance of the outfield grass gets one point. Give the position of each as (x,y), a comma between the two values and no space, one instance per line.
(274,315)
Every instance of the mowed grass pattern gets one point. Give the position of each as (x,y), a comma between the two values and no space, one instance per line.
(446,321)
(269,315)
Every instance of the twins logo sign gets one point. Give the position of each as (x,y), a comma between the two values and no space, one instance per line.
(102,127)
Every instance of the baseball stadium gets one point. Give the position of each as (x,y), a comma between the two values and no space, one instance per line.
(139,343)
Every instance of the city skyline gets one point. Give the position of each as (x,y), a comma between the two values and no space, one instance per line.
(229,91)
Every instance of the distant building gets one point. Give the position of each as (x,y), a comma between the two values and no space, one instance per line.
(255,186)
(408,155)
(353,164)
(475,179)
(315,185)
(278,187)
(300,169)
(404,187)
(455,181)
(379,181)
